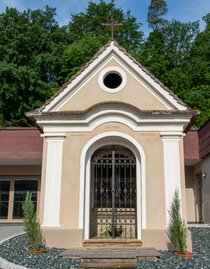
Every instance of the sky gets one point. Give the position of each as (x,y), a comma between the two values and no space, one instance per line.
(183,10)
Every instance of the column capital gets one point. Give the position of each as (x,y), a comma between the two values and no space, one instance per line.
(171,135)
(57,136)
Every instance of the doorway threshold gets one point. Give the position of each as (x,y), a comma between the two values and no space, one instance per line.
(115,243)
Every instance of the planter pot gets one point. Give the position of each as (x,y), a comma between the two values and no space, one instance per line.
(36,251)
(185,255)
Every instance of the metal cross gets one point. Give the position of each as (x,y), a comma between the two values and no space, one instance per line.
(112,25)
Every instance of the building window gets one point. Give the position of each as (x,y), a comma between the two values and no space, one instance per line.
(12,194)
(4,198)
(112,79)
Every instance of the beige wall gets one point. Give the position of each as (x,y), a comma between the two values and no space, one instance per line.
(133,93)
(192,210)
(68,238)
(74,143)
(73,146)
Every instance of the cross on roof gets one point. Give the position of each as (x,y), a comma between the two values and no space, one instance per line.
(112,25)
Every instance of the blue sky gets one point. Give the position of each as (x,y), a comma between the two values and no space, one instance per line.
(183,10)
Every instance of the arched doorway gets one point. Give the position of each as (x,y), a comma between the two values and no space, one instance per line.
(113,200)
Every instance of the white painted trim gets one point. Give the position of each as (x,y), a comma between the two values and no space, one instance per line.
(112,69)
(172,171)
(53,135)
(146,128)
(129,63)
(89,122)
(109,138)
(52,196)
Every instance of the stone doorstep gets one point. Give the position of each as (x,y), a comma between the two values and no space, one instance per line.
(113,258)
(112,263)
(110,253)
(112,243)
(108,263)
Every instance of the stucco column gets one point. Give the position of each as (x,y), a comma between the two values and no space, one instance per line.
(52,196)
(172,172)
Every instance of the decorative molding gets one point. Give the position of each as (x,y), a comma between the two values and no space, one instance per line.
(53,183)
(113,51)
(109,138)
(61,125)
(172,172)
(54,135)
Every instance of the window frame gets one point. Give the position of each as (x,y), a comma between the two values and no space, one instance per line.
(12,180)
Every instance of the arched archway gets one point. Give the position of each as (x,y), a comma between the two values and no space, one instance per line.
(99,141)
(113,193)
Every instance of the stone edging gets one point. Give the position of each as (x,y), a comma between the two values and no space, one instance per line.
(4,264)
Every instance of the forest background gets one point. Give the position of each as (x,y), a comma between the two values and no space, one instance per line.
(37,55)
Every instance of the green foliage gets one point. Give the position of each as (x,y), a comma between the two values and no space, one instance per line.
(77,54)
(31,225)
(30,48)
(156,10)
(118,230)
(37,55)
(90,23)
(177,231)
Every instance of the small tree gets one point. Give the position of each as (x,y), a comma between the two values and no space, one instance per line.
(177,231)
(31,225)
(156,10)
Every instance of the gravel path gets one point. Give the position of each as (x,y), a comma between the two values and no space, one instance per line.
(14,250)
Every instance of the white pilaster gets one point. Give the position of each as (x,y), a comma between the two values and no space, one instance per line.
(172,174)
(52,197)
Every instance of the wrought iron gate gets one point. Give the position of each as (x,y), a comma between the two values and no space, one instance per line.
(113,193)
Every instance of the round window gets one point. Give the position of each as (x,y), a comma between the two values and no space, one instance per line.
(112,80)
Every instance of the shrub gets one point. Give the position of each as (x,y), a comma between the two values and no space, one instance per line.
(177,231)
(31,225)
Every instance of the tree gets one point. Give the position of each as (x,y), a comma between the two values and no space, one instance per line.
(156,10)
(30,51)
(165,52)
(198,71)
(77,54)
(90,23)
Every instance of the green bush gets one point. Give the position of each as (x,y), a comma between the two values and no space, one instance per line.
(177,231)
(31,225)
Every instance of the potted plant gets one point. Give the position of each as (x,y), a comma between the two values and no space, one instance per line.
(32,226)
(177,230)
(118,230)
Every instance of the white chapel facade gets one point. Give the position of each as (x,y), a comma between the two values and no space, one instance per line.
(112,154)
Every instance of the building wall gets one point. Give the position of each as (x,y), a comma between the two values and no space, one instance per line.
(133,93)
(152,144)
(206,189)
(192,206)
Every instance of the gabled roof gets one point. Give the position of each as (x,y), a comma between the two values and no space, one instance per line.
(111,48)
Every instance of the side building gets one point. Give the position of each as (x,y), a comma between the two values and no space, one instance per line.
(197,174)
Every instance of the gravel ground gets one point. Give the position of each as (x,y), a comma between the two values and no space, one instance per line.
(201,249)
(14,250)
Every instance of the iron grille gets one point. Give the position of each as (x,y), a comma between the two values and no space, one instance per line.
(113,193)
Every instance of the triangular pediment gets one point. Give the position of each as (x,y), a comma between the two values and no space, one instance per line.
(138,87)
